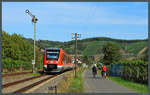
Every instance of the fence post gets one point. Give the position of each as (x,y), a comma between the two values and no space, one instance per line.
(55,89)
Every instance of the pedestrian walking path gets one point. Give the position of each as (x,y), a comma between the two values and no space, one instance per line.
(101,85)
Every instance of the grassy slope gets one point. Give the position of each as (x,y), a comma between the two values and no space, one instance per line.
(136,47)
(92,46)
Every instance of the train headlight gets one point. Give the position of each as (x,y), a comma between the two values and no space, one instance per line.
(45,66)
(47,62)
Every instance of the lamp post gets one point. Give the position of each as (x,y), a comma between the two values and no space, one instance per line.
(34,20)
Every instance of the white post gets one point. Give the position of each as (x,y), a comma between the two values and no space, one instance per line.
(34,46)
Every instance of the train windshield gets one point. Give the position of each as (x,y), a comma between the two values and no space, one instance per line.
(52,54)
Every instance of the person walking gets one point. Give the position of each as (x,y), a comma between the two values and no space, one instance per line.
(94,70)
(104,71)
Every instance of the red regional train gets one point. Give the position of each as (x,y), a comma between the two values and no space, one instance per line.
(56,59)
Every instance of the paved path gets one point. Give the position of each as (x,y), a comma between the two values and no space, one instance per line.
(100,85)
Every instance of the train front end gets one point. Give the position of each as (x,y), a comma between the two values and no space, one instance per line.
(52,59)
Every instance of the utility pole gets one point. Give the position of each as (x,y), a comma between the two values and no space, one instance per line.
(34,20)
(75,49)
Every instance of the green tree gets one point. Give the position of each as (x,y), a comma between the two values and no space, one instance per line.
(88,60)
(145,58)
(16,52)
(111,53)
(38,59)
(85,59)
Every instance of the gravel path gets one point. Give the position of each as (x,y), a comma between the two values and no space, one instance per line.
(100,85)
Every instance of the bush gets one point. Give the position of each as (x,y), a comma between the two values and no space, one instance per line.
(12,65)
(135,70)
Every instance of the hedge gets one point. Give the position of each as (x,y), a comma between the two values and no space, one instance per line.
(13,65)
(134,70)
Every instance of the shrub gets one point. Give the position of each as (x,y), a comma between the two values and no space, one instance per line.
(134,70)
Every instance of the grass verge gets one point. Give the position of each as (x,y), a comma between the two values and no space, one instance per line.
(33,74)
(141,88)
(76,83)
(16,71)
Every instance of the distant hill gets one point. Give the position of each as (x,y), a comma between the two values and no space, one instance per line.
(93,46)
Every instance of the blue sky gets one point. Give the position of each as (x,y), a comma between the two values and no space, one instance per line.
(57,20)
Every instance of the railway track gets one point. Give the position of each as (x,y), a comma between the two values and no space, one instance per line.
(20,81)
(32,85)
(40,78)
(17,73)
(14,74)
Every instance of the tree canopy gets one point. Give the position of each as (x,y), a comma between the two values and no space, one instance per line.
(17,52)
(111,53)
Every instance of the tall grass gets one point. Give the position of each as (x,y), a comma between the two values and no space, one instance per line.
(77,83)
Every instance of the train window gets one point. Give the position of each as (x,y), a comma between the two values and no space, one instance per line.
(52,54)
